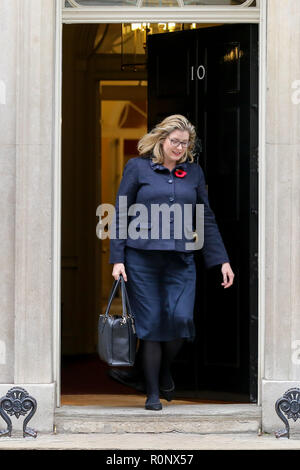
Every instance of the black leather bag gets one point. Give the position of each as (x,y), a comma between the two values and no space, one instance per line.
(116,334)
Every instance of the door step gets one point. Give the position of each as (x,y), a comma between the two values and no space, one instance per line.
(198,419)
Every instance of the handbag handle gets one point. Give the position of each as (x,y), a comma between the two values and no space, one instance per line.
(123,286)
(112,294)
(126,316)
(124,294)
(128,311)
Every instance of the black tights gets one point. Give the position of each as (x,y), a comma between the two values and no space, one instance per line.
(157,358)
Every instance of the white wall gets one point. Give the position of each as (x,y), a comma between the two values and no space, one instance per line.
(26,134)
(282,179)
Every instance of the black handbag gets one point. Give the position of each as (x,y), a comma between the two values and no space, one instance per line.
(116,334)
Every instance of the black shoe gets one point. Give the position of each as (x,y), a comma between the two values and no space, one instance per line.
(128,378)
(153,406)
(169,393)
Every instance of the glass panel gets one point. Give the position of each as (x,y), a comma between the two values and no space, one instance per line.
(218,2)
(95,3)
(153,3)
(160,3)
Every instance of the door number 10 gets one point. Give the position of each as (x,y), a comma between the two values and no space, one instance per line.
(200,72)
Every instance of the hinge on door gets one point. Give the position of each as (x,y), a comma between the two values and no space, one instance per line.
(255,260)
(198,149)
(254,160)
(253,267)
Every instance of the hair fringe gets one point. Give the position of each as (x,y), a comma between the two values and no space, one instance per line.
(153,140)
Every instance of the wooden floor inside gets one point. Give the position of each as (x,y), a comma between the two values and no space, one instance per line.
(85,382)
(125,400)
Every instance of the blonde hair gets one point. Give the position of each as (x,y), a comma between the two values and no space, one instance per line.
(152,142)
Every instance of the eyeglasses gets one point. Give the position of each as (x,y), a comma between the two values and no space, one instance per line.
(176,143)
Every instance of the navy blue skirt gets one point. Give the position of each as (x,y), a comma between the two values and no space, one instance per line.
(161,291)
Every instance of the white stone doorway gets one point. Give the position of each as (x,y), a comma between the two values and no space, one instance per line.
(69,264)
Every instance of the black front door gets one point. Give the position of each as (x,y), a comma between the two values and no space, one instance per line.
(210,75)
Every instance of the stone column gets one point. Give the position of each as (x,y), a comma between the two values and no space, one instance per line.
(28,41)
(8,67)
(282,293)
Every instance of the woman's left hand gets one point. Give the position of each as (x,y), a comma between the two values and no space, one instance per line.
(228,275)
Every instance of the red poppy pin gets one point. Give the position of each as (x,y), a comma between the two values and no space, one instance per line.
(180,173)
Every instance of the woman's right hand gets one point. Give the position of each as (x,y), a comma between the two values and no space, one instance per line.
(118,269)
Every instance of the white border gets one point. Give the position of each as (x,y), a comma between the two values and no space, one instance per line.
(185,14)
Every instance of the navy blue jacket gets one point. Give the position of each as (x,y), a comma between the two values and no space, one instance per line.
(150,183)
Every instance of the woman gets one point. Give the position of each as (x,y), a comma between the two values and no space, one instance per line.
(157,265)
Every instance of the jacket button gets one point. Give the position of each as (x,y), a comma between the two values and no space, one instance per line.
(171,199)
